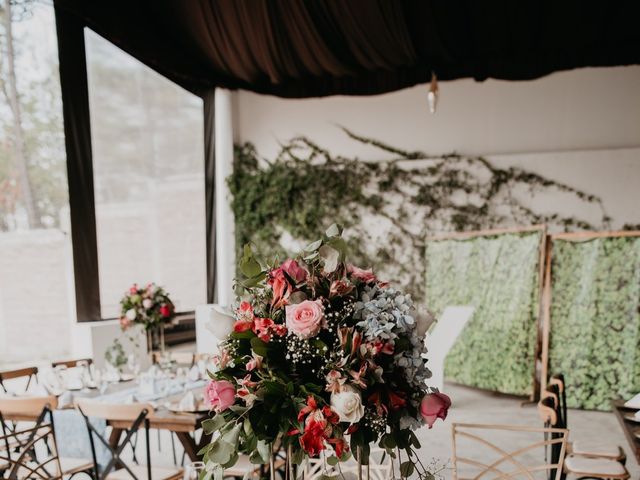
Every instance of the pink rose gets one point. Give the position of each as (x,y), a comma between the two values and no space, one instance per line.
(433,406)
(133,289)
(365,276)
(295,271)
(305,319)
(221,394)
(124,323)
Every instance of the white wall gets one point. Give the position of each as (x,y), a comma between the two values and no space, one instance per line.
(581,127)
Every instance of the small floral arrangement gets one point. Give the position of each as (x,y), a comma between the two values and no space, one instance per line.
(149,306)
(323,356)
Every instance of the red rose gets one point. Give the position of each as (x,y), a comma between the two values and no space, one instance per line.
(433,406)
(396,401)
(165,310)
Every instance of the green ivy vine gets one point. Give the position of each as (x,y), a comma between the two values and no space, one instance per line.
(388,208)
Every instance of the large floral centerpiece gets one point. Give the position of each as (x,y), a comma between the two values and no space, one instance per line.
(149,306)
(323,356)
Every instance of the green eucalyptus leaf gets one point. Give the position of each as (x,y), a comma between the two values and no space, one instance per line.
(232,461)
(232,436)
(259,347)
(334,230)
(264,450)
(330,257)
(214,424)
(407,468)
(313,246)
(221,452)
(332,460)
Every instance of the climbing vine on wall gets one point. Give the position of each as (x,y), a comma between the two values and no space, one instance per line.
(388,208)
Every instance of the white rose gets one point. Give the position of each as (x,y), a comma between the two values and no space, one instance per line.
(147,303)
(131,314)
(347,403)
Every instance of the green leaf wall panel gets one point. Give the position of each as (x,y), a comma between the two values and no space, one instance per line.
(499,276)
(595,319)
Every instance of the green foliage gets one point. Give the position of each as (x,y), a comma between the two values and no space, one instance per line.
(498,275)
(115,354)
(387,208)
(595,319)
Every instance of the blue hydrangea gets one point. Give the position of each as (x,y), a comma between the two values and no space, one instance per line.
(387,314)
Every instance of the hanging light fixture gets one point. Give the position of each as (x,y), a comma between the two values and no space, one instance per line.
(432,96)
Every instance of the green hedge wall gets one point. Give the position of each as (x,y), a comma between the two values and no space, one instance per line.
(498,275)
(595,319)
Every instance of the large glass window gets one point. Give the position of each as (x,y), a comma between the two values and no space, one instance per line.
(36,270)
(148,161)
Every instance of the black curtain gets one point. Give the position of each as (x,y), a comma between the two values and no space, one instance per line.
(295,48)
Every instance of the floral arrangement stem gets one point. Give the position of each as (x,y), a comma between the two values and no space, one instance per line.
(272,465)
(290,474)
(359,463)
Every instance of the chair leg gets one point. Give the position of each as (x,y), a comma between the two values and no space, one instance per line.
(173,449)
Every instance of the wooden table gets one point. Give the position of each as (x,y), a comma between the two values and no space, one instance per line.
(184,425)
(631,429)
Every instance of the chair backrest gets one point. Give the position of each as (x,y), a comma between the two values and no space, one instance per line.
(30,452)
(26,407)
(547,412)
(379,468)
(72,363)
(557,382)
(29,373)
(136,414)
(506,451)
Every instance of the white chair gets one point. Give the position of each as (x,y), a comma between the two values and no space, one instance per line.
(507,451)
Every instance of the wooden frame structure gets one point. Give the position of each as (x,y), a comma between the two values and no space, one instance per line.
(543,248)
(546,318)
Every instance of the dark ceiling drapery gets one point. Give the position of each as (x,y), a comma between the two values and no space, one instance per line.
(296,48)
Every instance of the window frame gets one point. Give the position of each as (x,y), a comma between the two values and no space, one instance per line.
(77,132)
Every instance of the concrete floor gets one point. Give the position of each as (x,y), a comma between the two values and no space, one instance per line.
(474,406)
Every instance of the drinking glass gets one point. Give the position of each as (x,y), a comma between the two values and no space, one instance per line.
(133,364)
(193,471)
